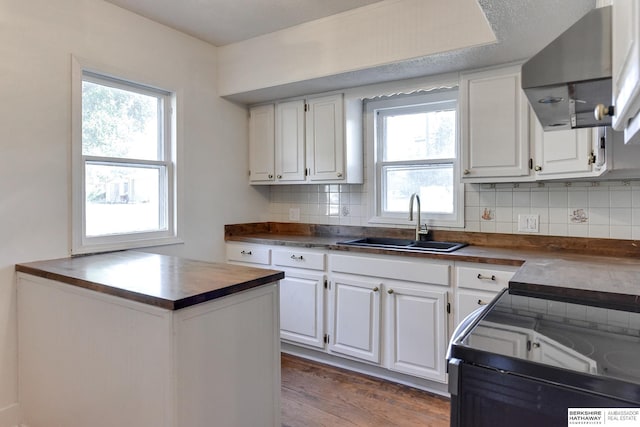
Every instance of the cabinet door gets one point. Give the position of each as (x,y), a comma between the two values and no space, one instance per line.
(564,152)
(416,330)
(289,147)
(355,316)
(302,308)
(325,138)
(494,124)
(626,68)
(261,144)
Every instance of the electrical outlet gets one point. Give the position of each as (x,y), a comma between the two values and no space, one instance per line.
(294,214)
(529,223)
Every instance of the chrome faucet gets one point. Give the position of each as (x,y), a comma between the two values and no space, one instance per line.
(421,229)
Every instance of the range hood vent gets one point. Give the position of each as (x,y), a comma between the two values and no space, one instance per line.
(566,80)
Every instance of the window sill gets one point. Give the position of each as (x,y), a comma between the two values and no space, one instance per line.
(121,246)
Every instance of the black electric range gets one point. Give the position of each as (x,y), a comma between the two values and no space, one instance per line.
(527,360)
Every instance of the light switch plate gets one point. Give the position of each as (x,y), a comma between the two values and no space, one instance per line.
(529,223)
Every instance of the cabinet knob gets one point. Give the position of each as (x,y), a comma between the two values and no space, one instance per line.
(339,174)
(537,168)
(466,172)
(270,176)
(375,289)
(279,177)
(390,291)
(480,302)
(601,111)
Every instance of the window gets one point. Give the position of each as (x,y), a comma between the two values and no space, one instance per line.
(415,146)
(123,165)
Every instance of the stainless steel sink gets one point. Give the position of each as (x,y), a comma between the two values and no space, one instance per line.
(406,244)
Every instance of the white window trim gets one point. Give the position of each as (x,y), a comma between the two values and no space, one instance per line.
(370,131)
(80,243)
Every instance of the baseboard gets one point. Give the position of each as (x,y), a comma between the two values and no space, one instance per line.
(10,416)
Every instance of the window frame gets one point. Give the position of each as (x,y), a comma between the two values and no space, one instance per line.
(423,101)
(81,243)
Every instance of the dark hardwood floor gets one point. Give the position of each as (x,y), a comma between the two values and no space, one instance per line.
(315,395)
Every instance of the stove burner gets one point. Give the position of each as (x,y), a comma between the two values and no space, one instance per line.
(574,342)
(623,361)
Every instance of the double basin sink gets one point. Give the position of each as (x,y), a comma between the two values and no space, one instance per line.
(413,245)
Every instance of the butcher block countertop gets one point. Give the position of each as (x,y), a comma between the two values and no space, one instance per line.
(159,280)
(568,267)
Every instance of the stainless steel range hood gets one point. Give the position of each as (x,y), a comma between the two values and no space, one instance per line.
(566,80)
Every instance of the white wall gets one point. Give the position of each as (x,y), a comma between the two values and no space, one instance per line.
(378,34)
(37,38)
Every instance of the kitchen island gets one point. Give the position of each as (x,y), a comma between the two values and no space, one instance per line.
(132,338)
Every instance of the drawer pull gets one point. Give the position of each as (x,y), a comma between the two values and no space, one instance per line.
(481,277)
(245,252)
(390,291)
(375,289)
(299,258)
(480,302)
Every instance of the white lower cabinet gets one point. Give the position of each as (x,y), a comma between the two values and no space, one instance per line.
(391,311)
(301,295)
(302,308)
(477,284)
(416,330)
(355,317)
(388,315)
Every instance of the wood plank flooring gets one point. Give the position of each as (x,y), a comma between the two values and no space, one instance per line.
(317,395)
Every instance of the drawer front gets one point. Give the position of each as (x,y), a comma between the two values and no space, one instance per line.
(298,259)
(251,254)
(468,301)
(482,278)
(397,268)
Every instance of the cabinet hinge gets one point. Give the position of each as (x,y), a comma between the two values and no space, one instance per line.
(448,308)
(326,284)
(306,107)
(528,345)
(592,158)
(326,338)
(531,164)
(306,172)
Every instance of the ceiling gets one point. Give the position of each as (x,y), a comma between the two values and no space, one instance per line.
(221,22)
(521,27)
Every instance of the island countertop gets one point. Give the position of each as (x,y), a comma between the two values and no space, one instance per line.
(160,280)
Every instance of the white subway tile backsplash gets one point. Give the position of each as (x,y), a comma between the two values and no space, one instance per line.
(598,198)
(578,198)
(621,197)
(558,197)
(607,209)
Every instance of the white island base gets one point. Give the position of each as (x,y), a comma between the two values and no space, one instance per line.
(88,359)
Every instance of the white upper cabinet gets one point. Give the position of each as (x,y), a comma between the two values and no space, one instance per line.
(494,126)
(289,145)
(626,68)
(573,153)
(317,140)
(261,144)
(325,138)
